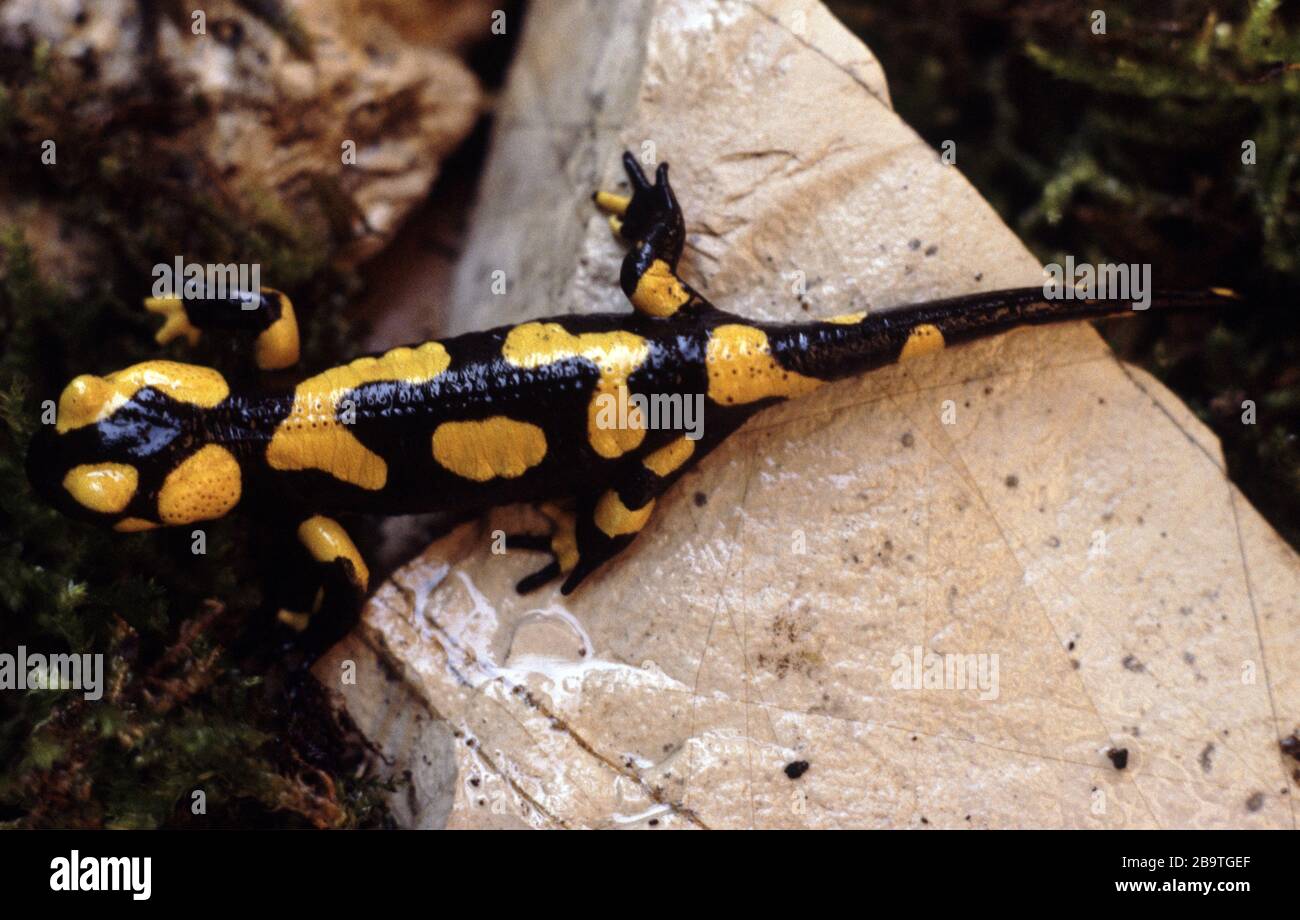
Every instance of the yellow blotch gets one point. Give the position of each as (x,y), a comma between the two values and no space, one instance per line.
(922,340)
(327,542)
(742,369)
(613,203)
(848,319)
(1225,292)
(659,292)
(615,519)
(103,487)
(483,450)
(89,399)
(669,458)
(564,537)
(616,354)
(135,525)
(295,620)
(312,438)
(176,321)
(299,620)
(206,485)
(277,345)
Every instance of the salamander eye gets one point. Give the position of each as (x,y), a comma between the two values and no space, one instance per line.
(83,401)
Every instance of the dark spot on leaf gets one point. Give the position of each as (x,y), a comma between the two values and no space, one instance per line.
(1291,745)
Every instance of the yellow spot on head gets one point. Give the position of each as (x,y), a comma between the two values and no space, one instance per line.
(659,292)
(89,399)
(134,525)
(617,355)
(669,458)
(615,519)
(742,369)
(83,401)
(277,345)
(848,319)
(327,542)
(483,450)
(103,487)
(177,321)
(206,485)
(312,438)
(922,340)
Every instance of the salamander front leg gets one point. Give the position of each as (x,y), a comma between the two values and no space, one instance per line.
(650,220)
(329,544)
(268,315)
(328,550)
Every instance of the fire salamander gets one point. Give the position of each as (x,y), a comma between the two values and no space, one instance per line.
(460,425)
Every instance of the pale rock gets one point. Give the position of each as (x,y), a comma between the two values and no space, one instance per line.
(1072,529)
(282,94)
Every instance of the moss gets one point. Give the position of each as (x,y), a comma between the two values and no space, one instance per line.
(1127,147)
(204,693)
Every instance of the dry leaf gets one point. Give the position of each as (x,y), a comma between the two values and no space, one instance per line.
(1071,534)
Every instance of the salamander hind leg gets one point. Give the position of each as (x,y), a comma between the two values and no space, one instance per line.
(602,523)
(605,527)
(651,222)
(560,544)
(585,535)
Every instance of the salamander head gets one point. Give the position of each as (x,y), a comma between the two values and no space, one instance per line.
(130,449)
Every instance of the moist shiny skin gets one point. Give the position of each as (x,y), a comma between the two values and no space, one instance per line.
(543,411)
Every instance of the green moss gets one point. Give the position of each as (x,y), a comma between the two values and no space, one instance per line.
(205,693)
(1127,147)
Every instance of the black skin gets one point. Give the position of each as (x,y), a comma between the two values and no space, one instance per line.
(395,419)
(254,314)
